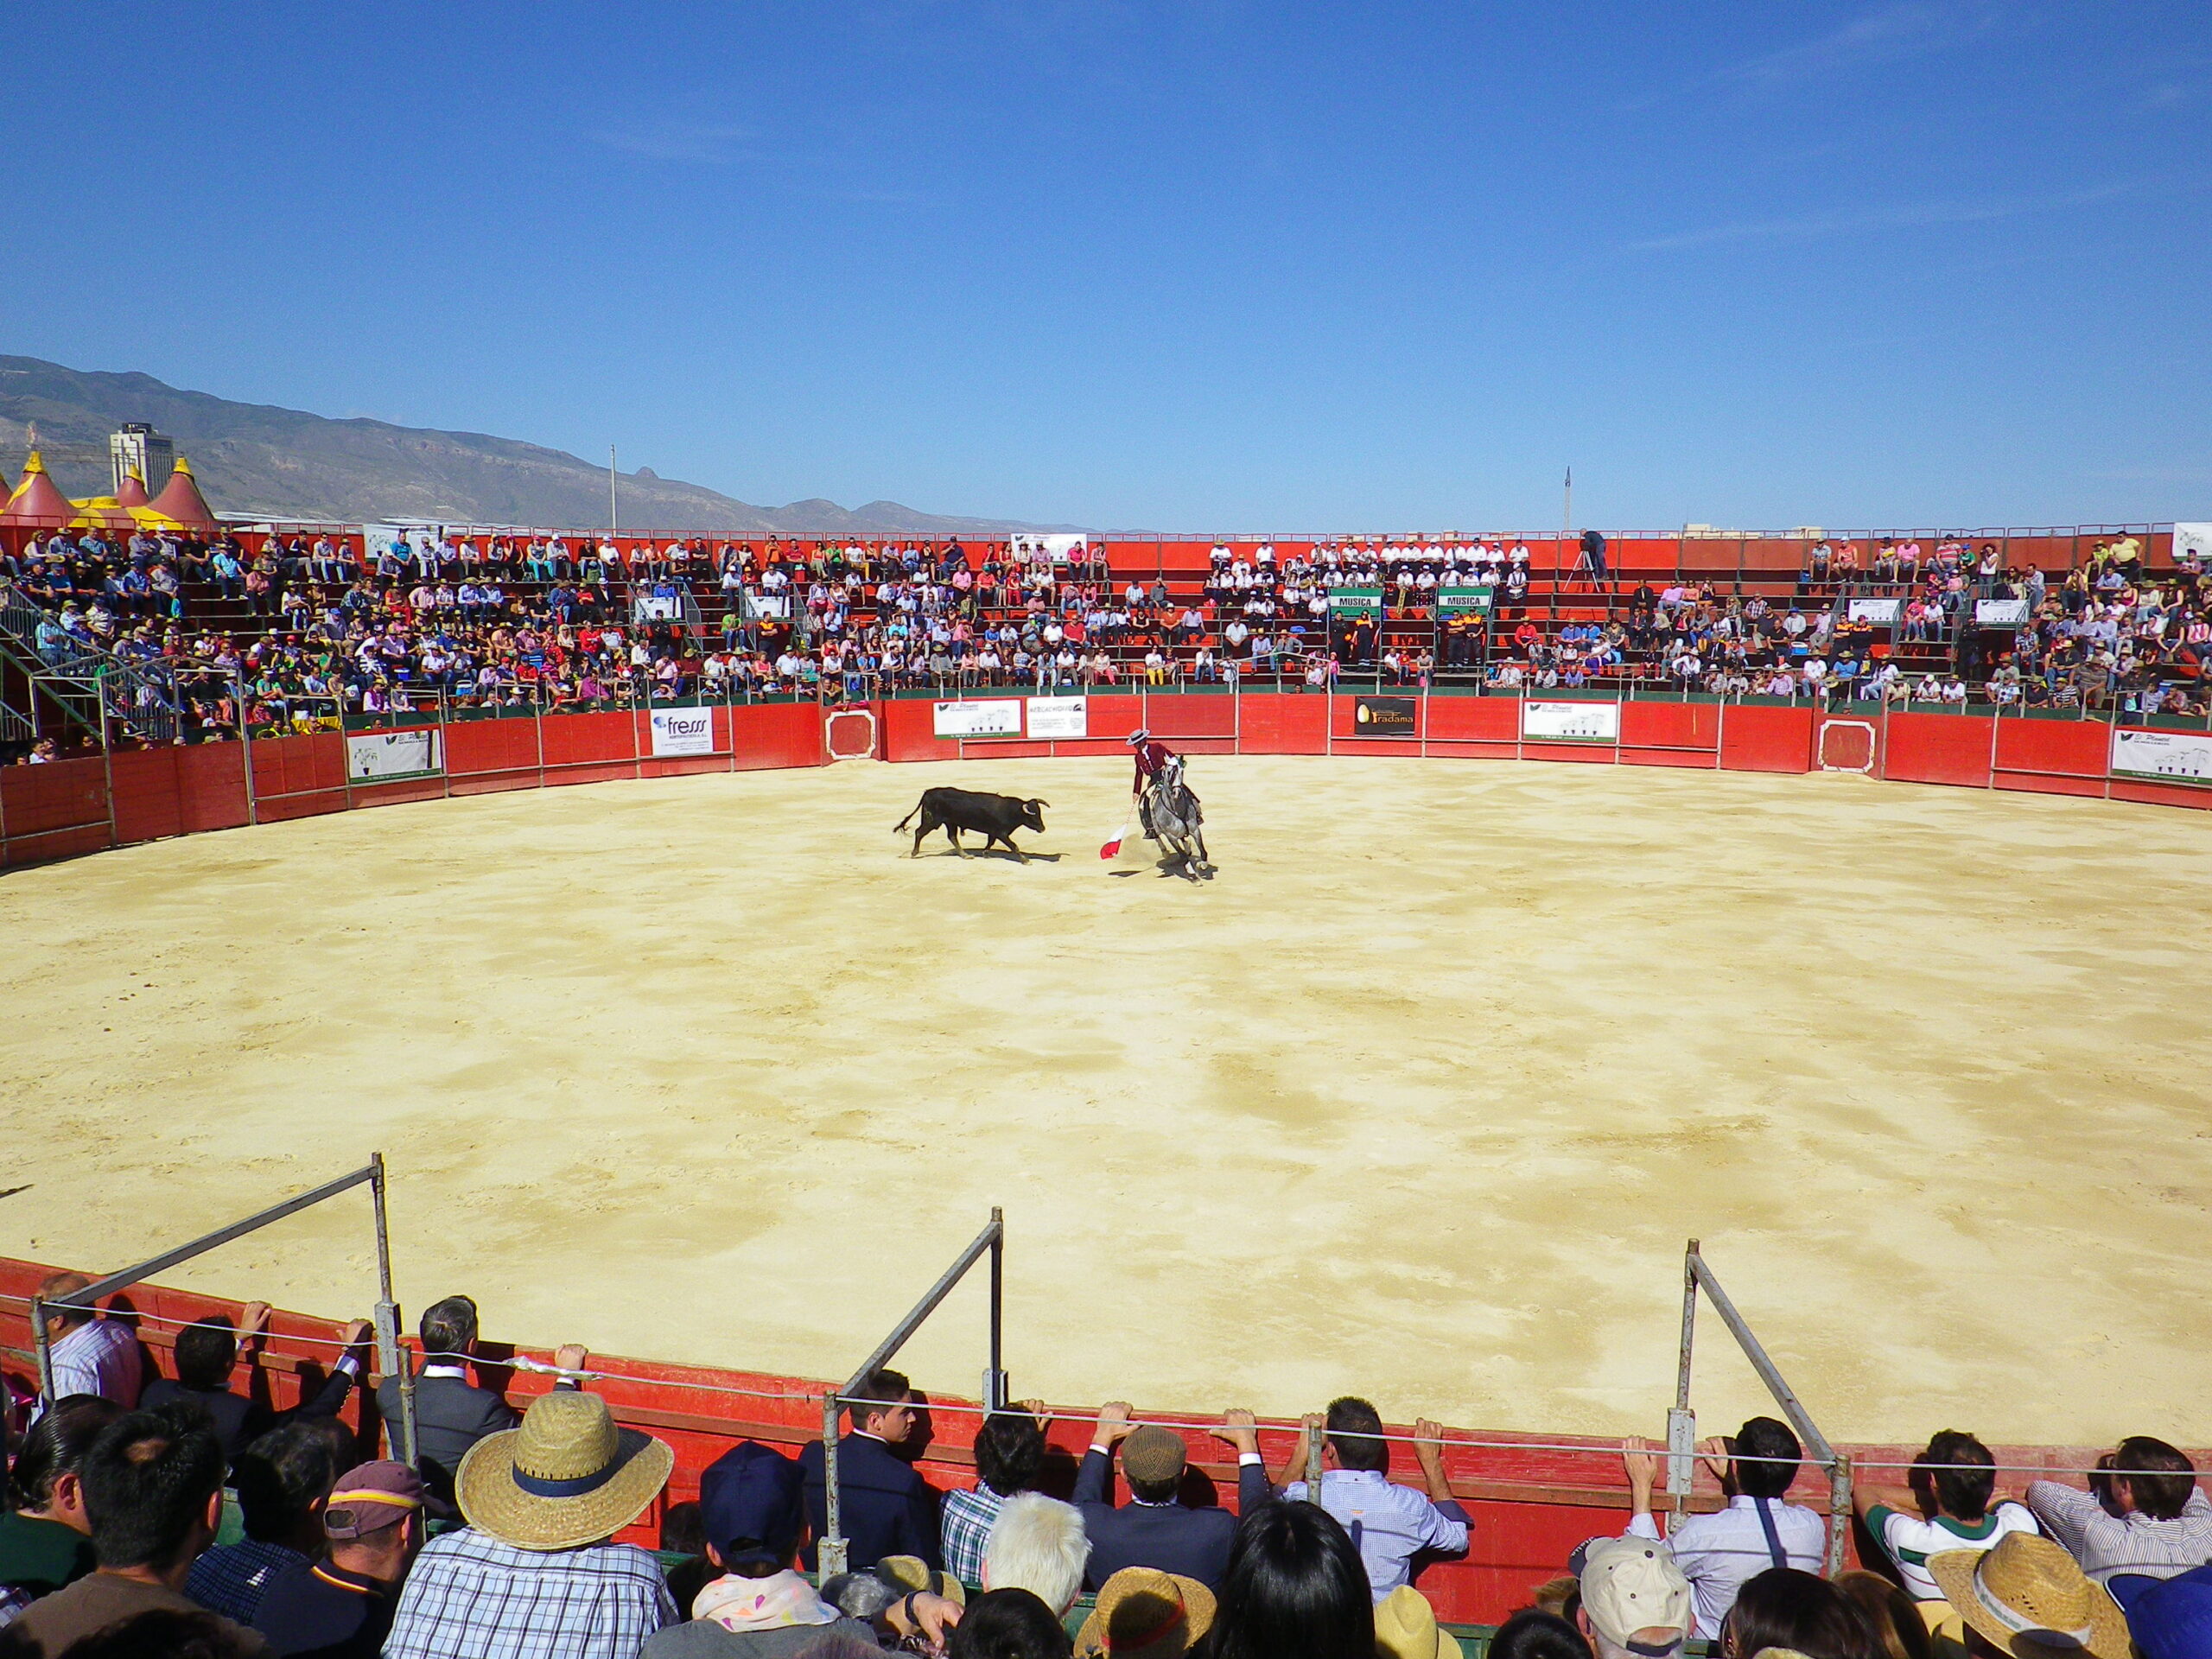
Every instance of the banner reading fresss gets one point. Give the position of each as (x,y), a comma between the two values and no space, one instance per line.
(684,731)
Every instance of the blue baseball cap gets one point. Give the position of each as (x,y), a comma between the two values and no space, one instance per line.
(751,1503)
(2173,1620)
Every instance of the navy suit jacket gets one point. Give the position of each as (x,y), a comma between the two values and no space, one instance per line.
(884,1506)
(1167,1537)
(239,1419)
(451,1414)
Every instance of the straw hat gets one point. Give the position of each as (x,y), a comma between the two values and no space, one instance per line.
(1405,1628)
(2028,1597)
(1143,1613)
(568,1476)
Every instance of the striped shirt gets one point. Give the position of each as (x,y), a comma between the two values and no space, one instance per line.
(469,1594)
(2108,1545)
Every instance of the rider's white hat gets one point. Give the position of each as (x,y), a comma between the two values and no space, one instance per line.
(1138,736)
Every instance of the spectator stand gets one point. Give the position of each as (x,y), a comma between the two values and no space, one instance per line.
(1681,1420)
(990,1241)
(389,1355)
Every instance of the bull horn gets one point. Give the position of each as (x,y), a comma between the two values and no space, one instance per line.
(1038,803)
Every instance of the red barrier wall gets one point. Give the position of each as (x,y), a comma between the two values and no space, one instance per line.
(62,809)
(1756,739)
(2055,756)
(1671,734)
(1938,749)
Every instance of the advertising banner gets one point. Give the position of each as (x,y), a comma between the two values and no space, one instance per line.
(1881,612)
(379,757)
(2001,613)
(2167,757)
(2193,538)
(1572,722)
(997,717)
(1353,601)
(1032,546)
(656,607)
(1457,598)
(1057,717)
(684,731)
(1382,717)
(767,607)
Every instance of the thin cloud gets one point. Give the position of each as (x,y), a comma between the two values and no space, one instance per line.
(714,146)
(1895,32)
(1813,227)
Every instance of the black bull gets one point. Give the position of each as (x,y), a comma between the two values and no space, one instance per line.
(995,818)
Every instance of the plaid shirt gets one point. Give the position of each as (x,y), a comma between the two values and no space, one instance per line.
(967,1519)
(468,1596)
(229,1580)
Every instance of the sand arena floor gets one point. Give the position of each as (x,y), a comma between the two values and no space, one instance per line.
(1420,1098)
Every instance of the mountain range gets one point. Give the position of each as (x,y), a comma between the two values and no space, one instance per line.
(259,460)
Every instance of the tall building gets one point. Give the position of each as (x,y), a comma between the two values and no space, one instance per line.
(137,447)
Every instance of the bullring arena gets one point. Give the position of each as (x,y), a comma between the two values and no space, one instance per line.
(1421,1096)
(1898,1012)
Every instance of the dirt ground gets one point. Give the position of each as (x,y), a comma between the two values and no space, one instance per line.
(1420,1098)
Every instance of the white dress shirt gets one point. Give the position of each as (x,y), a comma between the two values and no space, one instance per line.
(99,1357)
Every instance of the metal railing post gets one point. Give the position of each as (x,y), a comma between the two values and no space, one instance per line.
(392,1360)
(1681,1421)
(1313,1463)
(1839,1514)
(829,1556)
(45,1353)
(995,1385)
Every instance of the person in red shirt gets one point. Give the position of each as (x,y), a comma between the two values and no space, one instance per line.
(1152,758)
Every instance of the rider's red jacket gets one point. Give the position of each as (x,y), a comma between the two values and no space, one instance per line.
(1150,759)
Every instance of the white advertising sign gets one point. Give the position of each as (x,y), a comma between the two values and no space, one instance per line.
(2169,757)
(1060,717)
(767,607)
(998,717)
(1882,611)
(378,757)
(684,731)
(2001,613)
(656,607)
(1058,548)
(1572,722)
(2193,538)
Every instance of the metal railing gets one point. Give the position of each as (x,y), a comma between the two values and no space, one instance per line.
(1681,1420)
(992,1239)
(391,1358)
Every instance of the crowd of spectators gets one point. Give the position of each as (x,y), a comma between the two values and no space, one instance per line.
(498,1541)
(291,632)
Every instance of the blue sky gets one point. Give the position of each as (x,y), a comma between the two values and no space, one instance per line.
(1170,266)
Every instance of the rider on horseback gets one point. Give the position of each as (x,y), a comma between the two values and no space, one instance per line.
(1153,757)
(1165,805)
